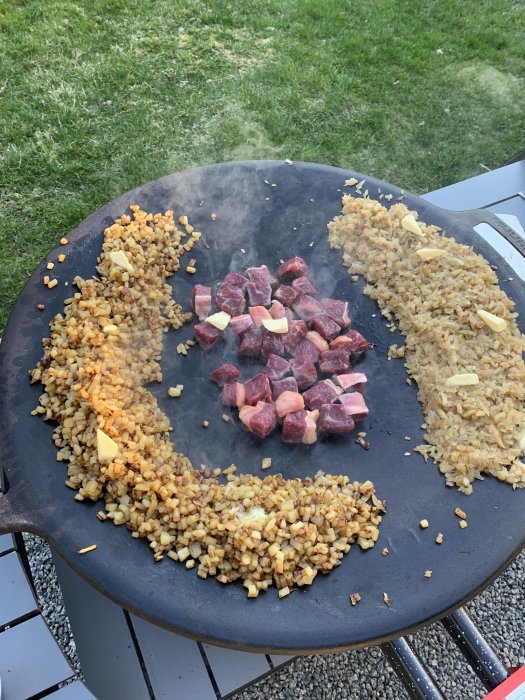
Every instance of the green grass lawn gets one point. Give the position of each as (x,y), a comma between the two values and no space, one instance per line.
(97,97)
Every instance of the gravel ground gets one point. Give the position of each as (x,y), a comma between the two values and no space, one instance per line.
(357,675)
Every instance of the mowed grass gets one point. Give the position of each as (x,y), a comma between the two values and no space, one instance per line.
(97,97)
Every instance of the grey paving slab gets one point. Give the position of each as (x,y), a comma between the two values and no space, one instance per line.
(280,660)
(6,542)
(73,691)
(16,598)
(514,205)
(233,669)
(103,640)
(174,663)
(30,660)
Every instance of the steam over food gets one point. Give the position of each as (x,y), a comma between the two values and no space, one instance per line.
(102,351)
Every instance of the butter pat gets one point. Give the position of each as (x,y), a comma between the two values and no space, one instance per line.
(106,447)
(410,224)
(118,257)
(462,380)
(220,320)
(276,325)
(429,253)
(495,322)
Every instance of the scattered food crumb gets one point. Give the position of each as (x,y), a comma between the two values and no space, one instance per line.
(389,197)
(64,241)
(191,269)
(351,181)
(40,307)
(288,161)
(385,551)
(183,220)
(361,441)
(386,599)
(175,391)
(101,515)
(266,463)
(283,592)
(406,454)
(50,265)
(463,524)
(242,250)
(460,513)
(311,244)
(354,598)
(423,524)
(85,550)
(439,538)
(61,258)
(428,573)
(213,216)
(225,417)
(354,278)
(205,423)
(52,283)
(46,279)
(407,437)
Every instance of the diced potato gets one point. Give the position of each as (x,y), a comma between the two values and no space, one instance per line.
(495,322)
(106,447)
(429,253)
(220,320)
(276,325)
(462,380)
(410,224)
(118,257)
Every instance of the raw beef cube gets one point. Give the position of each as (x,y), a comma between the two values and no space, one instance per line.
(286,294)
(201,301)
(295,267)
(258,313)
(321,393)
(207,335)
(230,299)
(261,274)
(260,419)
(317,340)
(324,325)
(304,372)
(276,367)
(300,427)
(354,405)
(259,293)
(234,395)
(286,384)
(303,286)
(272,344)
(306,350)
(251,342)
(240,324)
(277,310)
(257,389)
(355,381)
(225,374)
(342,342)
(232,279)
(306,307)
(289,402)
(359,342)
(334,361)
(337,310)
(334,419)
(297,330)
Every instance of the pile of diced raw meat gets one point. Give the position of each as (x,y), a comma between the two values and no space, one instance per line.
(307,383)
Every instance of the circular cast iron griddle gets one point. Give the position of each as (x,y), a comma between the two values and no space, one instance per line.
(269,223)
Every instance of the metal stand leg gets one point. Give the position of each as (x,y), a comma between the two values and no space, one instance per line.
(411,670)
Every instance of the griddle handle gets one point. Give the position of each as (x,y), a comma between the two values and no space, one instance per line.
(474,217)
(12,518)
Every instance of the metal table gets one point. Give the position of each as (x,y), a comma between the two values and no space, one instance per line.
(124,656)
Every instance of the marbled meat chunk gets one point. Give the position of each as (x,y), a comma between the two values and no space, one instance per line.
(260,419)
(302,285)
(207,335)
(201,301)
(304,371)
(306,307)
(342,342)
(251,342)
(323,392)
(306,350)
(234,395)
(286,295)
(230,299)
(225,374)
(276,367)
(354,405)
(317,340)
(240,324)
(324,325)
(359,342)
(337,310)
(297,331)
(334,419)
(261,274)
(286,384)
(257,389)
(289,402)
(278,310)
(233,279)
(355,381)
(292,268)
(259,293)
(334,362)
(272,344)
(300,427)
(258,313)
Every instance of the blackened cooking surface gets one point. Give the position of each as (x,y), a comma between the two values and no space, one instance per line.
(269,223)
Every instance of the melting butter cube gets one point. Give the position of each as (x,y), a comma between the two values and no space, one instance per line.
(429,253)
(220,320)
(276,325)
(106,447)
(495,322)
(462,380)
(410,224)
(118,257)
